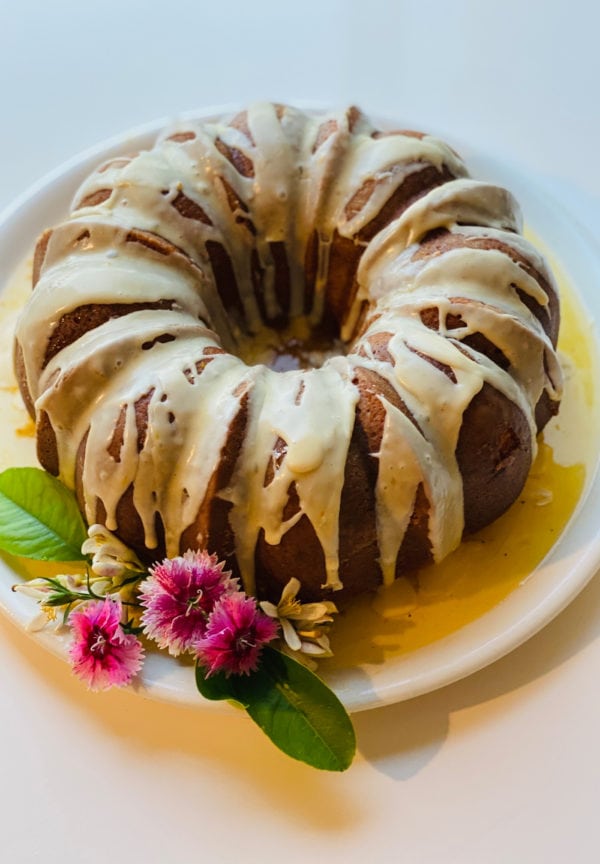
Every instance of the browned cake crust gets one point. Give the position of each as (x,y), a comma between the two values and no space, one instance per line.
(494,444)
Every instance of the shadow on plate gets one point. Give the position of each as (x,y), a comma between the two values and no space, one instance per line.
(399,740)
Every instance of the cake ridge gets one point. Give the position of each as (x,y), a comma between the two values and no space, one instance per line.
(127,349)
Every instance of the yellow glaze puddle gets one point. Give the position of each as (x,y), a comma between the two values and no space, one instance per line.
(482,572)
(491,564)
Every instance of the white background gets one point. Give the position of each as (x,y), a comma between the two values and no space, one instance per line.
(502,767)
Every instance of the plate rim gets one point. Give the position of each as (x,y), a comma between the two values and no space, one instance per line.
(166,679)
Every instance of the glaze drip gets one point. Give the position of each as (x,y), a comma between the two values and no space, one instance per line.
(280,217)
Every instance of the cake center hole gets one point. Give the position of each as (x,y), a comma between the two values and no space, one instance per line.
(300,345)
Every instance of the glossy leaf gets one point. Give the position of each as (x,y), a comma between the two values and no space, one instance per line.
(293,706)
(39,517)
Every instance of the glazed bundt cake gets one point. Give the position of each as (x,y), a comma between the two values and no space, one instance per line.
(418,423)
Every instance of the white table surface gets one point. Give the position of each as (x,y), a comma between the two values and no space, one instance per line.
(501,767)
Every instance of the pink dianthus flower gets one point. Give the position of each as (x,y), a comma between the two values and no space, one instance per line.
(179,595)
(235,634)
(101,653)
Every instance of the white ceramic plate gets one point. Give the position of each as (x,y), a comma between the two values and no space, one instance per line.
(569,566)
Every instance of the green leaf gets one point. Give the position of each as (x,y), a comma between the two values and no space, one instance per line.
(297,710)
(39,517)
(216,687)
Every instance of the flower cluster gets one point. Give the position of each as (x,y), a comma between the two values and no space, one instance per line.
(188,604)
(191,604)
(179,595)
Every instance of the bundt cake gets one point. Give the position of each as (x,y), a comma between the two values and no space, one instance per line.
(418,422)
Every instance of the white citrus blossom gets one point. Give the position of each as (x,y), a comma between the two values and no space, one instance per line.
(42,590)
(36,588)
(39,589)
(75,589)
(111,557)
(303,625)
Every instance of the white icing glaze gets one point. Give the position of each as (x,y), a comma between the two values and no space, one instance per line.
(284,192)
